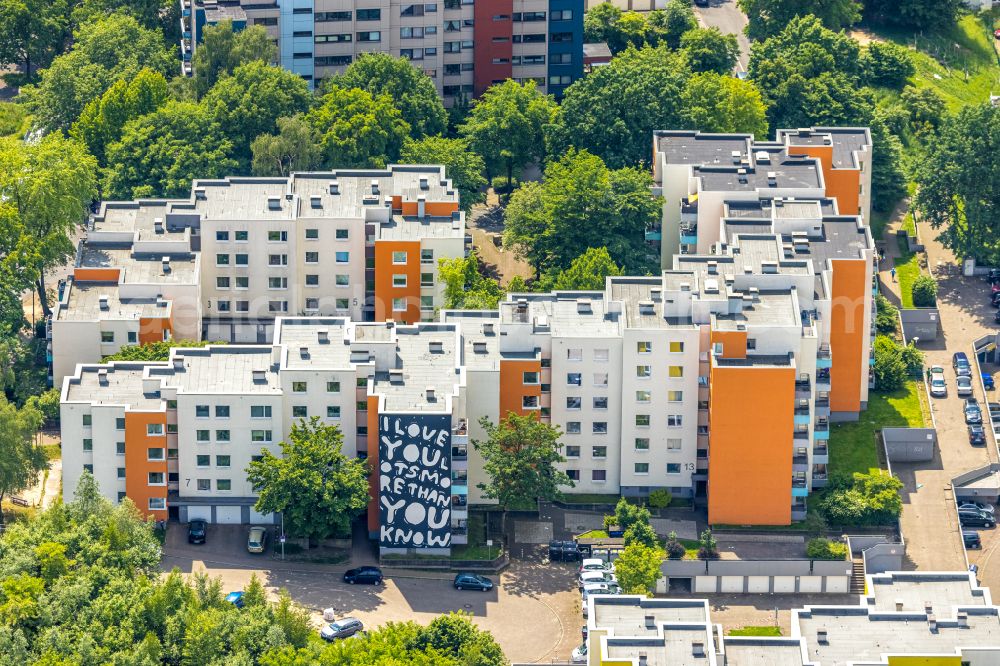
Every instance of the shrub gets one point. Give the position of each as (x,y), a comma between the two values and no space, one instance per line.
(887,64)
(890,370)
(913,359)
(709,547)
(825,549)
(886,315)
(924,292)
(501,185)
(866,499)
(675,549)
(660,499)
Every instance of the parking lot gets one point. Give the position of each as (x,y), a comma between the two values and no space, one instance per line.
(534,612)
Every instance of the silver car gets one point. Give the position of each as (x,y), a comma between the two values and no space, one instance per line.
(963,385)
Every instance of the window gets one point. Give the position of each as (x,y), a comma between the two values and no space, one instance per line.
(427,256)
(642,420)
(332,61)
(643,396)
(156,479)
(202,435)
(673,445)
(223,484)
(601,355)
(599,452)
(119,424)
(326,17)
(751,343)
(222,260)
(673,468)
(260,411)
(277,283)
(222,411)
(644,347)
(203,460)
(674,421)
(132,337)
(370,36)
(222,436)
(342,280)
(223,306)
(222,461)
(171,428)
(561,59)
(642,444)
(529,402)
(154,454)
(312,234)
(312,304)
(427,279)
(675,396)
(399,257)
(154,429)
(222,283)
(598,475)
(675,371)
(574,403)
(157,503)
(312,257)
(221,236)
(643,371)
(107,336)
(300,411)
(333,411)
(676,347)
(559,15)
(399,280)
(172,454)
(88,468)
(300,387)
(277,236)
(642,468)
(242,260)
(277,260)
(369,14)
(241,236)
(560,38)
(574,379)
(572,451)
(243,282)
(342,303)
(574,354)
(312,280)
(201,411)
(277,306)
(572,427)
(411,32)
(573,474)
(530,378)
(600,428)
(399,304)
(600,379)
(333,387)
(204,484)
(302,10)
(88,445)
(260,435)
(119,448)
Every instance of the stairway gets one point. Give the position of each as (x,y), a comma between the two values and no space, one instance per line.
(858,577)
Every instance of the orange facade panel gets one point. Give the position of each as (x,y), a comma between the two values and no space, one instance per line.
(96,274)
(389,289)
(734,343)
(431,208)
(373,470)
(751,426)
(139,462)
(842,184)
(153,329)
(513,388)
(847,333)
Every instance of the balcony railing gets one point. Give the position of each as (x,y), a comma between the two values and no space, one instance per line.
(821,425)
(801,434)
(798,483)
(459,453)
(823,351)
(821,451)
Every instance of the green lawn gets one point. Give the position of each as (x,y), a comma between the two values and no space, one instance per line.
(13,119)
(907,272)
(476,549)
(755,631)
(853,445)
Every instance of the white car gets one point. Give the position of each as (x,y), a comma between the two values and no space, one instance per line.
(595,564)
(939,388)
(963,385)
(588,577)
(599,588)
(579,655)
(981,506)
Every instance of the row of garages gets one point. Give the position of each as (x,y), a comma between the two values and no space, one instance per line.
(798,576)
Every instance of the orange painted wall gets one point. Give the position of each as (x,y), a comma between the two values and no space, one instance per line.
(151,329)
(750,447)
(373,474)
(734,343)
(842,184)
(847,332)
(432,208)
(96,274)
(385,292)
(513,388)
(136,464)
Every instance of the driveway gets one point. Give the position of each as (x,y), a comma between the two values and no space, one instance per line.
(727,17)
(534,613)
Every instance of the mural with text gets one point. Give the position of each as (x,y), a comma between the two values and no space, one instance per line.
(414,454)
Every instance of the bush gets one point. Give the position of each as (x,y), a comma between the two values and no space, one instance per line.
(825,549)
(660,499)
(924,292)
(890,370)
(913,359)
(675,549)
(501,185)
(886,315)
(866,499)
(709,548)
(887,64)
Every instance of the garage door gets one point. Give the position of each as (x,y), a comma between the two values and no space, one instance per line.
(837,584)
(261,518)
(732,584)
(784,584)
(245,333)
(217,332)
(200,513)
(758,584)
(229,515)
(810,584)
(706,585)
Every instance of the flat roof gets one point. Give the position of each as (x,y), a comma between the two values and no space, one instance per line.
(82,302)
(415,228)
(789,172)
(700,148)
(633,291)
(140,268)
(226,369)
(426,357)
(743,651)
(330,353)
(480,337)
(123,387)
(846,141)
(913,590)
(626,615)
(133,216)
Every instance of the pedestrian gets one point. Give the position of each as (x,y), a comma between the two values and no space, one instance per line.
(892,272)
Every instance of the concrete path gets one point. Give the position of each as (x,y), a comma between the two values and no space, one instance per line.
(727,17)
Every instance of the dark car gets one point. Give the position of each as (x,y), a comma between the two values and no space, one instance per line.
(973,414)
(988,382)
(971,539)
(344,628)
(370,575)
(960,362)
(977,436)
(701,3)
(994,275)
(196,531)
(970,518)
(471,581)
(564,551)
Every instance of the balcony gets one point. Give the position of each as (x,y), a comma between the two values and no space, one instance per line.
(803,388)
(821,429)
(800,462)
(800,434)
(689,209)
(823,379)
(821,455)
(824,359)
(459,453)
(654,234)
(820,480)
(689,234)
(798,512)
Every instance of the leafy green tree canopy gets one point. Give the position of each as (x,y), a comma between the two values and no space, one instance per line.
(887,64)
(223,50)
(926,15)
(607,23)
(638,568)
(587,272)
(294,148)
(32,32)
(20,459)
(722,103)
(465,286)
(769,17)
(708,50)
(357,129)
(155,351)
(462,165)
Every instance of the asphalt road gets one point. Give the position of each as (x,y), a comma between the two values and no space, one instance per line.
(727,17)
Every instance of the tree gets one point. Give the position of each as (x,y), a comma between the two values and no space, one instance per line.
(926,15)
(357,129)
(294,148)
(19,261)
(925,109)
(708,547)
(461,164)
(769,17)
(913,359)
(924,292)
(888,178)
(886,315)
(708,50)
(465,286)
(505,126)
(317,489)
(671,22)
(956,181)
(51,184)
(599,24)
(638,569)
(825,549)
(889,369)
(520,454)
(222,50)
(160,153)
(722,103)
(249,103)
(660,498)
(32,32)
(112,48)
(412,91)
(607,23)
(149,13)
(20,459)
(154,351)
(675,549)
(588,272)
(887,64)
(864,499)
(103,119)
(582,204)
(627,514)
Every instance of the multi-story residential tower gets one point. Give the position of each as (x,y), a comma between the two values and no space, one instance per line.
(464,47)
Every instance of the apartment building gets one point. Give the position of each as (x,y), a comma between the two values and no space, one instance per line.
(697,173)
(903,618)
(464,47)
(240,252)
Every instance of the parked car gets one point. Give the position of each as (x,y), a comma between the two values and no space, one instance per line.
(370,575)
(977,435)
(973,414)
(596,577)
(256,540)
(595,564)
(996,34)
(970,518)
(599,588)
(963,385)
(235,598)
(960,362)
(343,628)
(579,655)
(996,315)
(471,581)
(971,539)
(988,382)
(564,551)
(978,506)
(994,275)
(197,529)
(939,388)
